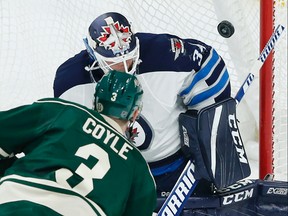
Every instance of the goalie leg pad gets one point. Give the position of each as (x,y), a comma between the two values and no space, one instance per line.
(212,138)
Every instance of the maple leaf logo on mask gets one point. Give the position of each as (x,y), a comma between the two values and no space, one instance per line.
(115,37)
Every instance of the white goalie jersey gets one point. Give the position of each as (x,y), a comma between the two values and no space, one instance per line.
(176,74)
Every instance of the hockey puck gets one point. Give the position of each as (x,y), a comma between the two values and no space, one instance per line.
(225,29)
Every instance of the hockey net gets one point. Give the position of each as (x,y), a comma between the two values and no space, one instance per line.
(37,36)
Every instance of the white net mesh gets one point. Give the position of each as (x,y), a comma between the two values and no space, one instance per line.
(37,36)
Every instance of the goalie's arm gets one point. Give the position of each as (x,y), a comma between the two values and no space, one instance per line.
(208,85)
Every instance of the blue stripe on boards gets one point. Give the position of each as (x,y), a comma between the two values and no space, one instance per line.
(202,73)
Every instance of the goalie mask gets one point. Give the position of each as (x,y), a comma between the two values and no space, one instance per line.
(118,95)
(110,41)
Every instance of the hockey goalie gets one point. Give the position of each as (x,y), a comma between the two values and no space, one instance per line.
(168,66)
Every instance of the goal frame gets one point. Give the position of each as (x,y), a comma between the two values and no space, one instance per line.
(266,92)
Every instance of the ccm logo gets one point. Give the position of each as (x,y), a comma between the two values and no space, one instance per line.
(236,139)
(237,197)
(237,185)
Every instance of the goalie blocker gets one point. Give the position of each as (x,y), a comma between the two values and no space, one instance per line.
(211,138)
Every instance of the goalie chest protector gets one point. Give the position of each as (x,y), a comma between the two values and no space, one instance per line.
(212,139)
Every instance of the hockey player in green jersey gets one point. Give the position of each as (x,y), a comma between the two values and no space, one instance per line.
(77,161)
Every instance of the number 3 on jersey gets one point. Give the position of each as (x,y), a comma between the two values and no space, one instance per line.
(98,171)
(114,96)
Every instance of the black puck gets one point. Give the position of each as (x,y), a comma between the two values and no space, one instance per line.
(225,29)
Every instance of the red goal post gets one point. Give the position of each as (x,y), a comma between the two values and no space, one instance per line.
(269,15)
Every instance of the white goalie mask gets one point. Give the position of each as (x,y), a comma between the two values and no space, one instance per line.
(110,42)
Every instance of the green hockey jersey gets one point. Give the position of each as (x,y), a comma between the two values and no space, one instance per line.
(77,162)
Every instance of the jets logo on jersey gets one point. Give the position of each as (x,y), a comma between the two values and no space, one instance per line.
(132,133)
(177,47)
(115,37)
(145,134)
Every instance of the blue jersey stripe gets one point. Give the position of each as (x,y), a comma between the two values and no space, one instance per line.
(211,91)
(217,72)
(202,73)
